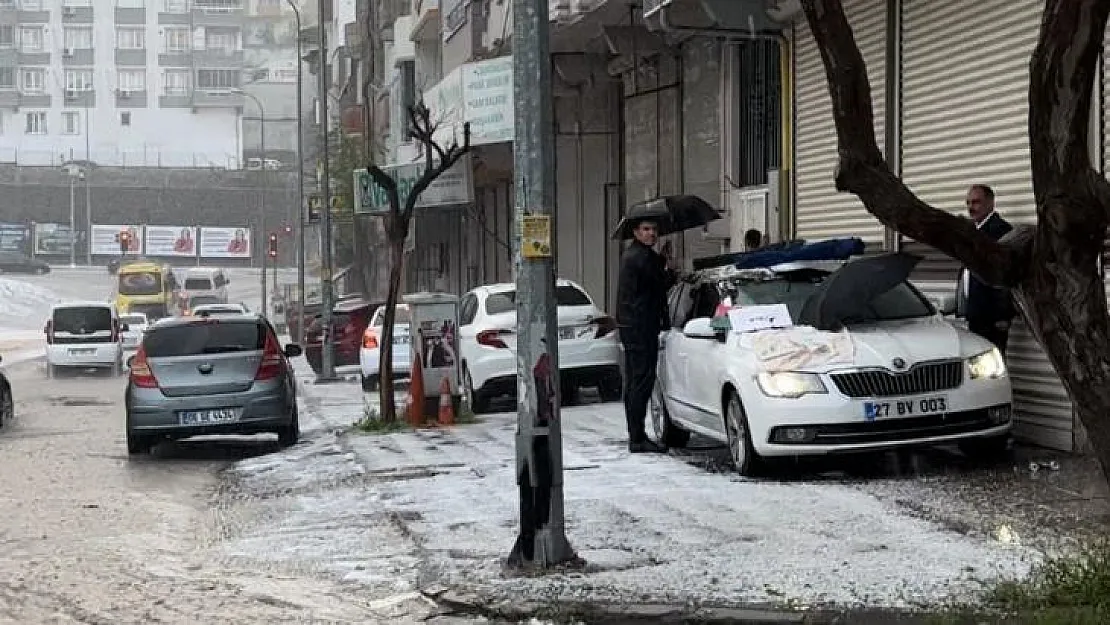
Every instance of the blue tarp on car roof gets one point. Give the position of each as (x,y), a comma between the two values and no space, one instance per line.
(832,249)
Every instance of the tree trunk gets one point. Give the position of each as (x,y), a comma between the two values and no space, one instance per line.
(1054,271)
(396,273)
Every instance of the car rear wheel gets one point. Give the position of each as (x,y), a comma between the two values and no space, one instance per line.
(51,371)
(138,444)
(370,383)
(743,454)
(610,389)
(7,406)
(290,434)
(665,430)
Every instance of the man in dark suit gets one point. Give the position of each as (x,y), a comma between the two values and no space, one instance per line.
(989,310)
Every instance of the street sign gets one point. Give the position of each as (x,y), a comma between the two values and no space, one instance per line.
(315,201)
(454,187)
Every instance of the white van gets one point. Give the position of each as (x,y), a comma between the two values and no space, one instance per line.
(206,281)
(83,335)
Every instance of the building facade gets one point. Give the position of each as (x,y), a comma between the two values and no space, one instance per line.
(131,83)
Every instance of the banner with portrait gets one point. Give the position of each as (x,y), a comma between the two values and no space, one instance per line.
(171,241)
(225,242)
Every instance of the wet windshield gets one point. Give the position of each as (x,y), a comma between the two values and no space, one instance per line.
(901,302)
(204,338)
(145,283)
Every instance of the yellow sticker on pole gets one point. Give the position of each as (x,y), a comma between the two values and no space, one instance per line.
(535,236)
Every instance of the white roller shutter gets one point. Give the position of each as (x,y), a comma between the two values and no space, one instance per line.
(820,211)
(965,81)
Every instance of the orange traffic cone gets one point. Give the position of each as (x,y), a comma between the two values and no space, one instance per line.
(416,392)
(446,405)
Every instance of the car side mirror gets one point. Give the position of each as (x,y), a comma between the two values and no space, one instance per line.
(130,359)
(700,328)
(945,304)
(293,350)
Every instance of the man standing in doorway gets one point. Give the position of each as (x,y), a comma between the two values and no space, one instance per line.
(753,240)
(989,310)
(641,314)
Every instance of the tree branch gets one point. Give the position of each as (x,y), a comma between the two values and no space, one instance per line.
(433,167)
(387,182)
(863,171)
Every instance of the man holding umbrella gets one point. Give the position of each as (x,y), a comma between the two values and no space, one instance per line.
(645,277)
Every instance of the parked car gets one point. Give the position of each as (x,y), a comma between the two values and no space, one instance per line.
(15,262)
(202,310)
(210,281)
(192,303)
(370,354)
(7,398)
(210,375)
(349,320)
(912,377)
(84,335)
(589,353)
(136,325)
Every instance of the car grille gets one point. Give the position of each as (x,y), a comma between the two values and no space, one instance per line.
(921,378)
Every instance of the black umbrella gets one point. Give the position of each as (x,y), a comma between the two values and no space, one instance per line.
(849,291)
(673,213)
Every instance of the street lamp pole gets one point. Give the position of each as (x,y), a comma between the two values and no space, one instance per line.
(327,365)
(72,221)
(88,191)
(300,176)
(262,195)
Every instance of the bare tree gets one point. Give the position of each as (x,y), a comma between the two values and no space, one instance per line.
(437,160)
(1052,268)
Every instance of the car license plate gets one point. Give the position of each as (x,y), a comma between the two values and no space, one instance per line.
(201,417)
(82,352)
(918,407)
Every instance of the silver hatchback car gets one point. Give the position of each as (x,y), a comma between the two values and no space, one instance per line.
(195,376)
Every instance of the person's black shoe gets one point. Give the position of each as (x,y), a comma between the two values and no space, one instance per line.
(646,447)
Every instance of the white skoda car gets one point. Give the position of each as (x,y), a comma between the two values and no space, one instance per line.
(895,374)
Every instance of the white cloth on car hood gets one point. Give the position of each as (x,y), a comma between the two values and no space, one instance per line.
(799,347)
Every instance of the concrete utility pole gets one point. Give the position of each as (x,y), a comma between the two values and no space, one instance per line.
(542,541)
(72,220)
(261,195)
(327,364)
(301,207)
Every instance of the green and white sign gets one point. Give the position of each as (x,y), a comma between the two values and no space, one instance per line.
(452,188)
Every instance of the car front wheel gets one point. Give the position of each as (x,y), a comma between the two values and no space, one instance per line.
(478,403)
(988,448)
(7,407)
(743,454)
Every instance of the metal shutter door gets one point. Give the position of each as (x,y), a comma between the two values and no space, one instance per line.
(820,211)
(965,81)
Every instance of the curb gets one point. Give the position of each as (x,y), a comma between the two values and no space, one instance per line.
(460,604)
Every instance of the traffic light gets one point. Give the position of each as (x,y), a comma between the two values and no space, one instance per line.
(273,246)
(288,230)
(124,242)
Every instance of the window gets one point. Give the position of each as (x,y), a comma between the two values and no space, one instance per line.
(758,113)
(205,338)
(132,80)
(36,123)
(7,78)
(175,6)
(468,309)
(143,283)
(505,301)
(901,302)
(125,118)
(30,39)
(77,3)
(31,5)
(7,36)
(175,82)
(177,40)
(33,79)
(217,78)
(78,38)
(82,320)
(131,39)
(221,39)
(71,123)
(79,80)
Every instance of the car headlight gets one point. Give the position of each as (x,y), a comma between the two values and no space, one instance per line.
(989,365)
(790,384)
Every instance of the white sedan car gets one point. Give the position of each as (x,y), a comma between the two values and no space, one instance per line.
(589,353)
(213,310)
(912,378)
(369,356)
(136,325)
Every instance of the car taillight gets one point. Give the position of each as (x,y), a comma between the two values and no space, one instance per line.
(492,338)
(141,375)
(605,326)
(49,330)
(370,339)
(273,362)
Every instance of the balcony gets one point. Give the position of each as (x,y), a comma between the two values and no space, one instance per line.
(131,99)
(217,58)
(8,57)
(77,15)
(40,57)
(8,15)
(216,98)
(130,57)
(34,100)
(426,25)
(175,58)
(175,19)
(131,15)
(80,99)
(34,17)
(217,14)
(176,100)
(9,98)
(78,57)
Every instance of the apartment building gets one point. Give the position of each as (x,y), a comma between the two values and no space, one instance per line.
(134,83)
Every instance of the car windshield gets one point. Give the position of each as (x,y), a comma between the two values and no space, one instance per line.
(565,295)
(212,337)
(133,320)
(901,302)
(143,283)
(82,319)
(198,284)
(204,299)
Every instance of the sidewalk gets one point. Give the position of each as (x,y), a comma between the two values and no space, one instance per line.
(437,509)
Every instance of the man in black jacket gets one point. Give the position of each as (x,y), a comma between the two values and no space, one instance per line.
(989,310)
(641,314)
